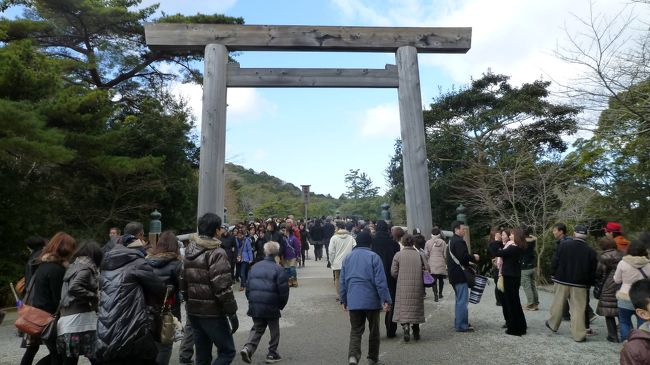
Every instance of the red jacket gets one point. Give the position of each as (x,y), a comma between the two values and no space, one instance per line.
(637,349)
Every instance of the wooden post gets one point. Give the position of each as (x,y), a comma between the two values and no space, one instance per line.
(416,175)
(213,131)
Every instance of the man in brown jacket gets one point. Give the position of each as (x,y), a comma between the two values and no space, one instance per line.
(207,287)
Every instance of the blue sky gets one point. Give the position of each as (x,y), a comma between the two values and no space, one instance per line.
(314,136)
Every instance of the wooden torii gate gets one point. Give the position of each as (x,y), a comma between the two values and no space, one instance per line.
(218,39)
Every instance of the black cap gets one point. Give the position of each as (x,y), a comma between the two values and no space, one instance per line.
(581,229)
(364,239)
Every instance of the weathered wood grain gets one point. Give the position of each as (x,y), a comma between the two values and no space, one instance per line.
(213,132)
(181,38)
(312,77)
(416,172)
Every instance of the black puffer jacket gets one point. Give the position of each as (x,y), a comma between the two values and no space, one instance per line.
(267,289)
(124,321)
(607,262)
(168,267)
(207,283)
(79,293)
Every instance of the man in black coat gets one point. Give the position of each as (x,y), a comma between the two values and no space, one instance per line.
(573,271)
(384,246)
(459,258)
(268,293)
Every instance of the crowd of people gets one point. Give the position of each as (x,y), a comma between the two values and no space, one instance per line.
(108,300)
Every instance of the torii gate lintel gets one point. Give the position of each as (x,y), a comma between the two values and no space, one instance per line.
(218,39)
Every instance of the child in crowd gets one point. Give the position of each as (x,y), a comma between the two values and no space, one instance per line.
(637,349)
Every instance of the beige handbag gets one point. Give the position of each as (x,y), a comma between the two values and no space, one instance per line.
(167,327)
(500,284)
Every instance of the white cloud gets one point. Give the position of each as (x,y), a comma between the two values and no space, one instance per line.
(513,37)
(244,104)
(381,121)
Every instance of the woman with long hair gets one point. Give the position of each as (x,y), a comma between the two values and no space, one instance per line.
(509,264)
(407,268)
(44,290)
(77,325)
(167,265)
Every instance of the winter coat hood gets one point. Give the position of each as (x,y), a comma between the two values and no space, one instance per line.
(119,258)
(201,244)
(161,259)
(636,261)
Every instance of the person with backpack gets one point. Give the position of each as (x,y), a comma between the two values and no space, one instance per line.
(634,266)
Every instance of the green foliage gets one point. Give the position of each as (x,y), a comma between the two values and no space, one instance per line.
(359,185)
(616,160)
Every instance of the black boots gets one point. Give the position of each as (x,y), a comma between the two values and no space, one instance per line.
(416,331)
(612,331)
(407,332)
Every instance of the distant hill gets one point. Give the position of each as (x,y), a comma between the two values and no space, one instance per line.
(266,196)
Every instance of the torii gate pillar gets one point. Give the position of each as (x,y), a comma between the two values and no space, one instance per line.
(213,132)
(414,154)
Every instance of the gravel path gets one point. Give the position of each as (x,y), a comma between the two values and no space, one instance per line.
(314,330)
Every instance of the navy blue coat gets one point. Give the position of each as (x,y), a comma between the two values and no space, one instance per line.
(267,289)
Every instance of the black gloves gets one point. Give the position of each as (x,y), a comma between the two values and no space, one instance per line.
(234,322)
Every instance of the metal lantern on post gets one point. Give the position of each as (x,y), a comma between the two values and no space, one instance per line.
(338,214)
(385,212)
(250,216)
(461,217)
(225,215)
(155,227)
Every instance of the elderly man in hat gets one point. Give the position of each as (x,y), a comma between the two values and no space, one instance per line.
(614,231)
(574,271)
(364,293)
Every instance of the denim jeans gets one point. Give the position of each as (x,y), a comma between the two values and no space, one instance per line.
(164,353)
(209,331)
(243,273)
(461,320)
(625,319)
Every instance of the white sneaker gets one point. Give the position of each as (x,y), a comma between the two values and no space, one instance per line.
(352,360)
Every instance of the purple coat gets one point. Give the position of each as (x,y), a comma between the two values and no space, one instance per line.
(292,248)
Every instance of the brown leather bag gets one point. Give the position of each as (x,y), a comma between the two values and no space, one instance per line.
(32,320)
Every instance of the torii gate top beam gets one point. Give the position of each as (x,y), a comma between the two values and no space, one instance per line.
(181,38)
